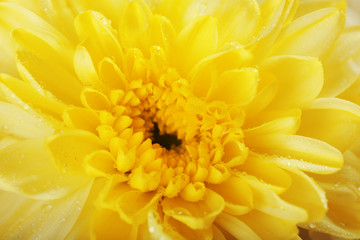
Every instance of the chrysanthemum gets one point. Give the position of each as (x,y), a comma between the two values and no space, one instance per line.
(173,119)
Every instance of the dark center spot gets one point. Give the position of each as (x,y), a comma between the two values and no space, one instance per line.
(168,141)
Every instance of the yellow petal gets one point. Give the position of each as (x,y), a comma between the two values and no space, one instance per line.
(99,164)
(98,36)
(236,227)
(300,79)
(342,64)
(114,187)
(163,33)
(27,168)
(267,90)
(46,45)
(110,8)
(69,148)
(266,201)
(331,120)
(17,122)
(342,192)
(315,202)
(301,152)
(332,228)
(237,87)
(85,69)
(81,118)
(237,195)
(182,12)
(199,215)
(286,125)
(235,153)
(314,33)
(156,226)
(107,224)
(307,6)
(14,16)
(111,75)
(275,14)
(94,99)
(80,229)
(26,218)
(183,231)
(268,227)
(47,76)
(13,89)
(204,74)
(258,171)
(134,26)
(193,192)
(195,42)
(237,22)
(134,205)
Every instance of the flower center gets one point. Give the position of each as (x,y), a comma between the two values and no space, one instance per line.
(168,141)
(160,136)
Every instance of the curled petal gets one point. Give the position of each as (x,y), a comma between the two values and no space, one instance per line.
(199,215)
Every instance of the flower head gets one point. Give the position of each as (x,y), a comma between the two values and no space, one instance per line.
(173,119)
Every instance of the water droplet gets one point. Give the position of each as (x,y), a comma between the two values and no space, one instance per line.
(152,229)
(311,225)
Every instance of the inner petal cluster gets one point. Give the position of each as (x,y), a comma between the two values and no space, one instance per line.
(161,137)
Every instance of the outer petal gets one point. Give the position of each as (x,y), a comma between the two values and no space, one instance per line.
(46,45)
(24,218)
(21,93)
(237,195)
(48,78)
(305,193)
(107,224)
(27,168)
(13,16)
(15,121)
(301,152)
(341,66)
(98,36)
(236,227)
(275,14)
(331,120)
(236,87)
(268,227)
(342,191)
(314,32)
(238,22)
(307,6)
(300,79)
(267,202)
(69,148)
(259,171)
(196,41)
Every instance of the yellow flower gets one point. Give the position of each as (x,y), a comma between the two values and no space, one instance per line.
(174,119)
